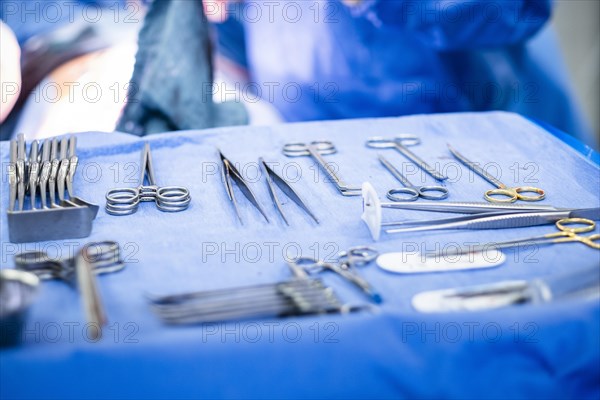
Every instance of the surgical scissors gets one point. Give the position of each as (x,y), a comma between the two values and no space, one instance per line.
(565,234)
(125,201)
(317,150)
(400,143)
(104,257)
(345,266)
(79,271)
(413,192)
(513,193)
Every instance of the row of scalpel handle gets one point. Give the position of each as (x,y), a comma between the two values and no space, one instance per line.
(46,172)
(50,168)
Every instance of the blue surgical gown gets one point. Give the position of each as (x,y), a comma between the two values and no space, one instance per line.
(327,60)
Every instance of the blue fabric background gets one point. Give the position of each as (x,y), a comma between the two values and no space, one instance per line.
(545,351)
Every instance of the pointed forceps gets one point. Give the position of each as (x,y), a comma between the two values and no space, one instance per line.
(125,201)
(400,143)
(511,194)
(230,173)
(411,192)
(345,267)
(317,150)
(274,179)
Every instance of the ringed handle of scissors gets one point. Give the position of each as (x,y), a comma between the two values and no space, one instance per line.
(588,225)
(514,194)
(122,201)
(507,195)
(323,147)
(379,142)
(433,192)
(103,256)
(540,193)
(403,194)
(357,256)
(34,260)
(308,264)
(97,250)
(173,198)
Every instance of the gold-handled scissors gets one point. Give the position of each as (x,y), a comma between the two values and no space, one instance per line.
(512,193)
(565,234)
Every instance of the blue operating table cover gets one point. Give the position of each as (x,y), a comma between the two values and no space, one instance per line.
(546,351)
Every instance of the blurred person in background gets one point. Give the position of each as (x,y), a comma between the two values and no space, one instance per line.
(317,60)
(377,58)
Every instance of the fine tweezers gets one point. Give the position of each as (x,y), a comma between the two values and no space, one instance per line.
(500,221)
(274,179)
(229,173)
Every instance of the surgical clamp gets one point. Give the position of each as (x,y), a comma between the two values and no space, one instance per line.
(345,267)
(125,201)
